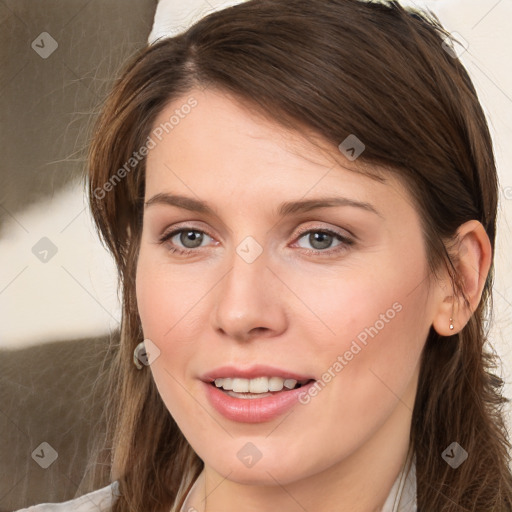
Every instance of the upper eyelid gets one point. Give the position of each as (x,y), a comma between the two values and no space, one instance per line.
(336,231)
(345,231)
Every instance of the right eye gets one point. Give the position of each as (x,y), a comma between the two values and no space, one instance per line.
(191,239)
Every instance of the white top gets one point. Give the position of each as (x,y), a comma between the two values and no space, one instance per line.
(96,501)
(101,500)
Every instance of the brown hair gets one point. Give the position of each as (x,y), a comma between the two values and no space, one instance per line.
(338,67)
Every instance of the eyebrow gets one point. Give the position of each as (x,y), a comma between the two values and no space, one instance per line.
(285,209)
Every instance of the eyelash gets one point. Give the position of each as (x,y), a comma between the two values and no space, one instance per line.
(345,241)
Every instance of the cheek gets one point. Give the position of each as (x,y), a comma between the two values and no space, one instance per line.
(375,323)
(167,301)
(380,302)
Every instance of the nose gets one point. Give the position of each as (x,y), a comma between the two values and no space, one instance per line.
(249,301)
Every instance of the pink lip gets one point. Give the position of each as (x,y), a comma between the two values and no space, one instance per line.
(253,410)
(252,372)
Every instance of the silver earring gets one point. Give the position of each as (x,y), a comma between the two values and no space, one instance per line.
(140,355)
(451,324)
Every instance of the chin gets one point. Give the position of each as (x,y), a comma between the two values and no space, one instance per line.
(261,476)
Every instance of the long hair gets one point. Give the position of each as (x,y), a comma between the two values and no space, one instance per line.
(336,67)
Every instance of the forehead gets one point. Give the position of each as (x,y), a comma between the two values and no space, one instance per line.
(221,145)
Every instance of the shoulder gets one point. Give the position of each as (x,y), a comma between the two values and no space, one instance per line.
(96,501)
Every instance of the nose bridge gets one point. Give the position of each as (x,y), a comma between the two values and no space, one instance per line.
(247,298)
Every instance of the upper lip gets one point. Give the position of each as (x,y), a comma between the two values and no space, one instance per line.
(252,372)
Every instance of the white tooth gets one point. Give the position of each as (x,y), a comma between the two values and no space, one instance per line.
(240,385)
(258,385)
(248,396)
(275,384)
(290,383)
(227,384)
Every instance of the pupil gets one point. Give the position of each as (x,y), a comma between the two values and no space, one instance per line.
(191,236)
(325,240)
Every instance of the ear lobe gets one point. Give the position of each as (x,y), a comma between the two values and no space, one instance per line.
(472,257)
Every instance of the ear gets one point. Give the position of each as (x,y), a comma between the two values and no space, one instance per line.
(472,260)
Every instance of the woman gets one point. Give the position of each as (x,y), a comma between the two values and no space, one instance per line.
(301,201)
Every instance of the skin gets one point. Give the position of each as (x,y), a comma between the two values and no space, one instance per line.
(289,308)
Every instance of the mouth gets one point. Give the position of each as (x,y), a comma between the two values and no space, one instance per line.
(258,387)
(255,400)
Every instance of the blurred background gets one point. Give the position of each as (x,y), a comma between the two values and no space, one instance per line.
(58,291)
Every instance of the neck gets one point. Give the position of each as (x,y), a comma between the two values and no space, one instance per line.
(343,487)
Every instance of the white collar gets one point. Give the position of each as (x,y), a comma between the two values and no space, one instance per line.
(402,496)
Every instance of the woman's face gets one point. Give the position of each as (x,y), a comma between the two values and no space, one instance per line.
(264,281)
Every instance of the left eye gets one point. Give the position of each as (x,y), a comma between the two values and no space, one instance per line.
(323,239)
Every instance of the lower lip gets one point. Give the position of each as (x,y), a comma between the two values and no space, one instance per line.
(254,410)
